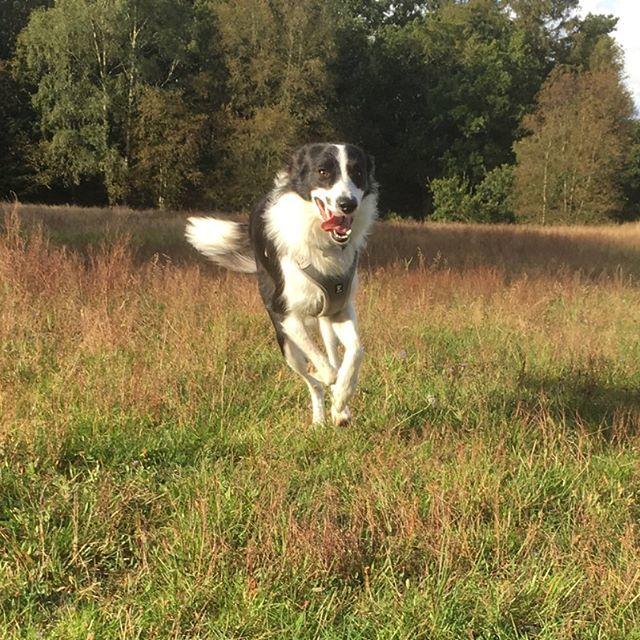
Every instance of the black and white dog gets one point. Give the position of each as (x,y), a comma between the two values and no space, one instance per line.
(303,241)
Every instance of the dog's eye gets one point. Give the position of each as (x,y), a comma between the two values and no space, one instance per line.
(323,173)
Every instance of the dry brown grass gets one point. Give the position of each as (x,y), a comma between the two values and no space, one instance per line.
(514,250)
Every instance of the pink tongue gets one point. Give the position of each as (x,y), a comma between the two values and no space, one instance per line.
(339,223)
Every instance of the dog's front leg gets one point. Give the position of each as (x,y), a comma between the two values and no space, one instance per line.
(296,331)
(330,340)
(345,327)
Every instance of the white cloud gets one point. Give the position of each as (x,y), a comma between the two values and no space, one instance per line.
(626,33)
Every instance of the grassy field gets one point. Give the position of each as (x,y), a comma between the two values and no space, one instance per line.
(158,477)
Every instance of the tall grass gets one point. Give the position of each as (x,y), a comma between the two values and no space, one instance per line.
(158,477)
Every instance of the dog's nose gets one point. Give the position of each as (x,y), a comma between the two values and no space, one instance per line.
(347,205)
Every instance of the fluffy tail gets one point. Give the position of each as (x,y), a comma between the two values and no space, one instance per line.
(224,242)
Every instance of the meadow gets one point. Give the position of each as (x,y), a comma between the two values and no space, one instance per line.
(159,477)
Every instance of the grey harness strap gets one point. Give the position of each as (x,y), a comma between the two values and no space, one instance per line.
(335,289)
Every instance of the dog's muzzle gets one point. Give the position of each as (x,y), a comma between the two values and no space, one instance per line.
(338,224)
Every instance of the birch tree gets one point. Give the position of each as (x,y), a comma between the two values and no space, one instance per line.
(88,62)
(569,165)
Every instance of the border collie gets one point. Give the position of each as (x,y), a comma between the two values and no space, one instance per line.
(303,242)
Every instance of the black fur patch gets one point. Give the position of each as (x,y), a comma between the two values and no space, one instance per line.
(270,279)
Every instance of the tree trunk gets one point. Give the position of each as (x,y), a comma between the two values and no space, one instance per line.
(545,184)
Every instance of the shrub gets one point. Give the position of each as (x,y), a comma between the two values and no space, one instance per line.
(494,196)
(452,199)
(455,200)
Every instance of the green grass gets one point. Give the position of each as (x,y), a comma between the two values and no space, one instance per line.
(159,479)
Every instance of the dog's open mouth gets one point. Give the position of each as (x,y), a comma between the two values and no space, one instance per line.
(339,225)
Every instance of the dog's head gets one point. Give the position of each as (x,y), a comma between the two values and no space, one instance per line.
(337,178)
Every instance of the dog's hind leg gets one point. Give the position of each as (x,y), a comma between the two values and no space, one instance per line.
(346,330)
(297,361)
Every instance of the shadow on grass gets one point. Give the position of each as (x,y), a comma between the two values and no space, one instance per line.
(579,398)
(572,400)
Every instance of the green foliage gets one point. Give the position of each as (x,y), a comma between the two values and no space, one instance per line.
(454,200)
(494,196)
(65,53)
(275,55)
(14,15)
(432,88)
(630,178)
(591,45)
(15,172)
(457,84)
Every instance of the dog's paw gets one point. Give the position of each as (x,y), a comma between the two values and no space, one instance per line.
(318,420)
(341,418)
(327,375)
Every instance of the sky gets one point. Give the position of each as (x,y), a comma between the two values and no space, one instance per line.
(627,34)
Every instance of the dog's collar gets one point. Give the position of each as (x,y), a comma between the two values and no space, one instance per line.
(335,289)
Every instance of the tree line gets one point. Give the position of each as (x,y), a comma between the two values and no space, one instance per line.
(476,110)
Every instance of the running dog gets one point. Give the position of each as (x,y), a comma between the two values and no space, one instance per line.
(303,241)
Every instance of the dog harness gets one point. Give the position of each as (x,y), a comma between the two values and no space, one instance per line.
(335,289)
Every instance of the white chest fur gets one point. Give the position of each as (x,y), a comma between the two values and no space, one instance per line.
(301,296)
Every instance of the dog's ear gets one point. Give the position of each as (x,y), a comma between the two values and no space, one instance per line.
(371,166)
(298,163)
(299,168)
